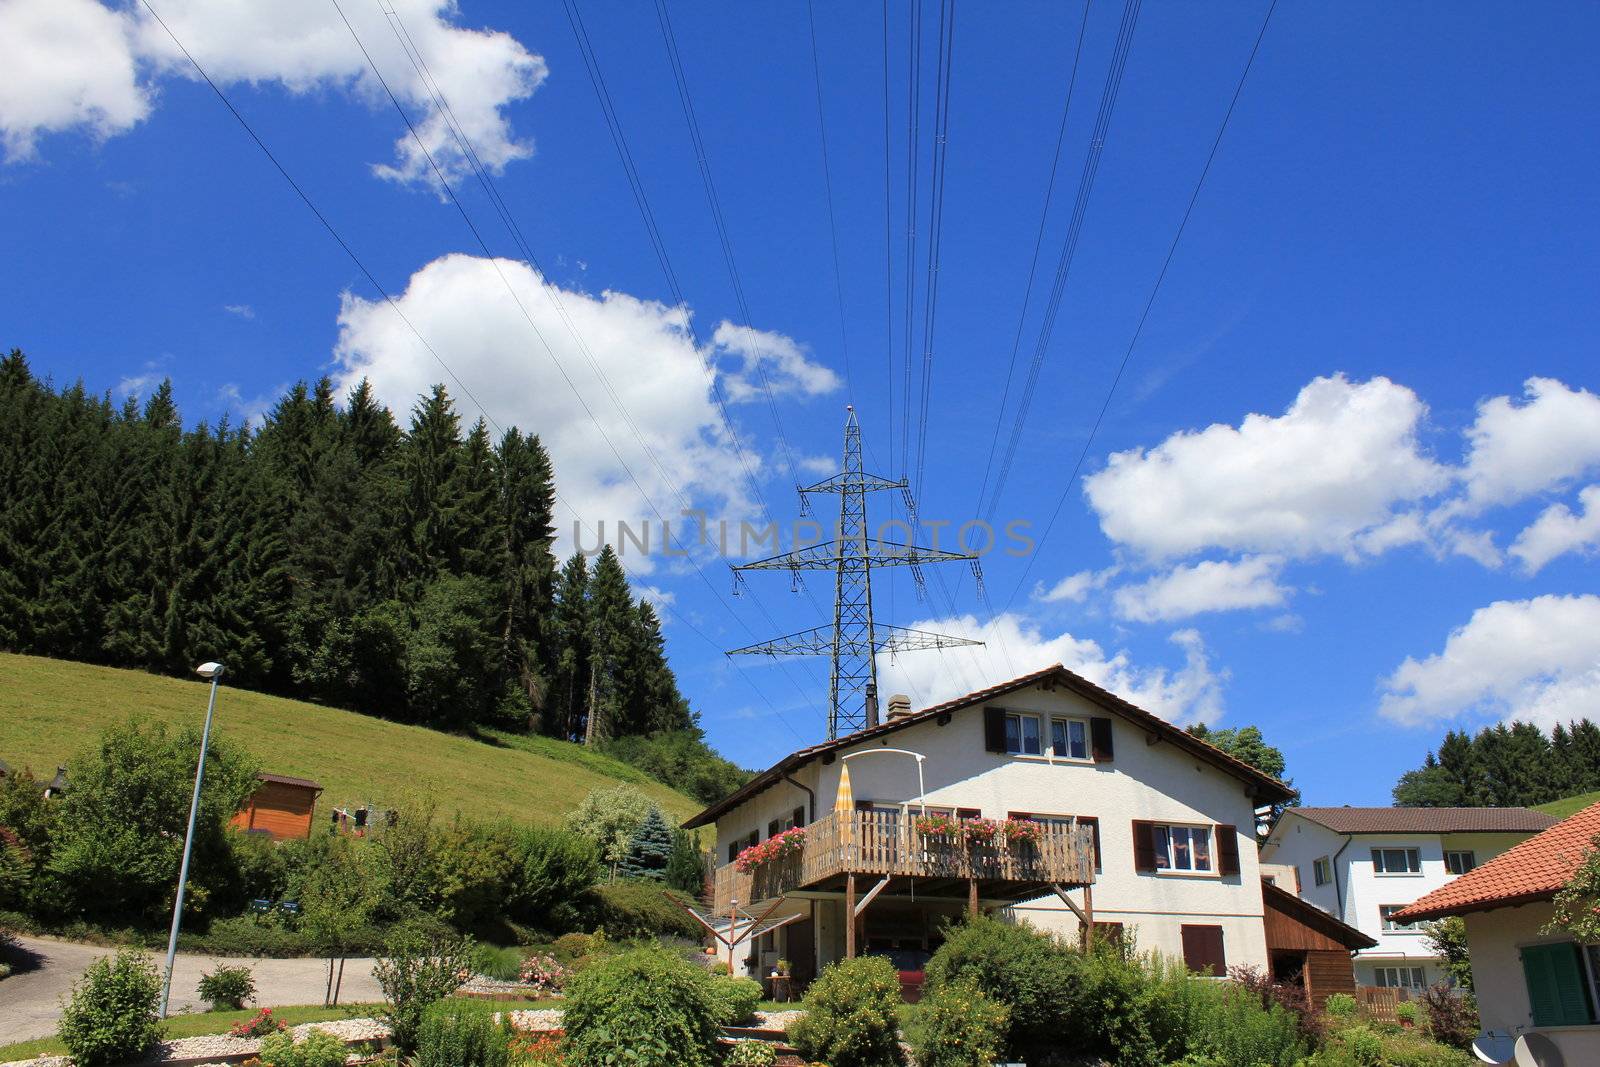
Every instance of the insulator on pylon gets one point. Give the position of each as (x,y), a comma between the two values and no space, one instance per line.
(738,582)
(805,502)
(977,576)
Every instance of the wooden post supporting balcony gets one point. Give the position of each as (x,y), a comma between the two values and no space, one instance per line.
(850,916)
(972,897)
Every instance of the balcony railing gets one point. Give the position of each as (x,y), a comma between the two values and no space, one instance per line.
(888,843)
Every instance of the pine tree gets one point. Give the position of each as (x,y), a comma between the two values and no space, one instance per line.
(571,626)
(686,870)
(650,850)
(529,634)
(613,628)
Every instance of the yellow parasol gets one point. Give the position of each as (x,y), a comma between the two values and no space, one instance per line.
(844,808)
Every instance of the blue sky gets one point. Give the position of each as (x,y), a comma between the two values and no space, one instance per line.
(1340,494)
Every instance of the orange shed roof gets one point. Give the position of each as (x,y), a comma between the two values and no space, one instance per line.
(1534,870)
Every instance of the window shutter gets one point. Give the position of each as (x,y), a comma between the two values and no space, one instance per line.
(1144,846)
(994,729)
(1100,740)
(1227,850)
(773,827)
(1554,974)
(1094,825)
(799,816)
(1202,949)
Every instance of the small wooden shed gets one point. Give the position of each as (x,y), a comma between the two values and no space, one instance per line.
(281,807)
(1308,946)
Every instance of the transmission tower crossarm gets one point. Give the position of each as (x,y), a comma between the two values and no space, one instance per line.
(904,639)
(818,641)
(871,551)
(854,482)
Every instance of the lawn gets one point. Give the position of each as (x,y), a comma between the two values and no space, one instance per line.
(1569,805)
(51,709)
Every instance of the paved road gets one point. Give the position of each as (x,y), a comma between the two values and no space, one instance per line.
(30,1000)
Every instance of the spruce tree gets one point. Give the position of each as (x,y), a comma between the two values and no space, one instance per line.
(571,626)
(650,850)
(613,629)
(686,867)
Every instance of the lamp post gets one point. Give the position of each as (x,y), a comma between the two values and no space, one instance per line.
(213,671)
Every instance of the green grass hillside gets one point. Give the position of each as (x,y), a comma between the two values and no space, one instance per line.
(1568,805)
(51,709)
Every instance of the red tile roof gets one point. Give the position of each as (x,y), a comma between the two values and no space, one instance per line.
(1534,870)
(1428,820)
(1267,788)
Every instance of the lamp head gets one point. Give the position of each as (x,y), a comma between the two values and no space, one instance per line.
(209,669)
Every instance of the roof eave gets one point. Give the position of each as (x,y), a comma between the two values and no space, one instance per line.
(1514,900)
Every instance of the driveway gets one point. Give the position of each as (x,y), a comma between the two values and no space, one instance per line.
(30,1000)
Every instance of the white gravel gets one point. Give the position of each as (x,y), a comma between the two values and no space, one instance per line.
(224,1045)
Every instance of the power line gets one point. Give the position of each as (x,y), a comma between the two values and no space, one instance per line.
(388,299)
(1155,291)
(941,156)
(888,251)
(827,182)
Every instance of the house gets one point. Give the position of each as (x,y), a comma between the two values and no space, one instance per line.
(281,807)
(1363,865)
(1044,798)
(1528,979)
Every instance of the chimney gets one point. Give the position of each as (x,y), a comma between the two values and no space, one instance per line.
(899,707)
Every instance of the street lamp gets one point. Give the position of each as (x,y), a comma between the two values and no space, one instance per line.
(212,670)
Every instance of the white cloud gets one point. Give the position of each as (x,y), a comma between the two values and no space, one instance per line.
(1533,659)
(780,360)
(68,63)
(1558,530)
(1211,585)
(1075,588)
(1015,645)
(643,348)
(73,62)
(137,384)
(243,311)
(1330,475)
(1517,450)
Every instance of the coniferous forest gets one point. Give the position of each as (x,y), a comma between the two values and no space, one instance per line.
(332,554)
(1506,766)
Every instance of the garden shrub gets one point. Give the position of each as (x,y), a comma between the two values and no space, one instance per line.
(227,987)
(1407,1012)
(501,964)
(455,1035)
(260,1024)
(958,1026)
(1290,996)
(643,1008)
(1364,1046)
(852,1015)
(639,909)
(1340,1006)
(1452,1018)
(734,999)
(1235,1027)
(752,1054)
(418,972)
(111,1016)
(317,1049)
(544,974)
(558,867)
(1027,971)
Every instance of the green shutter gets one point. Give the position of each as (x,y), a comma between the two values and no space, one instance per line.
(1556,986)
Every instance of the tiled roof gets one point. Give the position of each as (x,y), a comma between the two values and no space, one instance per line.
(1429,820)
(1533,870)
(284,779)
(1268,788)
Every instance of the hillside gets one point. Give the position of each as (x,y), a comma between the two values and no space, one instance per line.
(50,709)
(1568,805)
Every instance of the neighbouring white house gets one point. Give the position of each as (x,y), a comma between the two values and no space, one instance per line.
(1534,986)
(1044,798)
(1363,865)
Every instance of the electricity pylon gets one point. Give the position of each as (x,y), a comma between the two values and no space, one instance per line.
(853,640)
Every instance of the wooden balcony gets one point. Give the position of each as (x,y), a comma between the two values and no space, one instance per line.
(877,843)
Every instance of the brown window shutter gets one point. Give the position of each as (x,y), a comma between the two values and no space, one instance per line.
(1100,740)
(1144,846)
(1227,850)
(994,729)
(799,816)
(969,813)
(1094,825)
(1202,949)
(773,827)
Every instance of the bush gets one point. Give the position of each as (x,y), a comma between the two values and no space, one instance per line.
(558,867)
(751,1054)
(734,999)
(111,1016)
(417,973)
(610,818)
(1028,972)
(644,1008)
(1364,1046)
(501,964)
(1452,1019)
(852,1015)
(318,1049)
(456,1036)
(1407,1012)
(957,1026)
(543,973)
(1290,996)
(1235,1027)
(1340,1006)
(227,987)
(640,909)
(260,1024)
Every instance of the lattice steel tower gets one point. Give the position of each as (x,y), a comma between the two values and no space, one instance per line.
(854,640)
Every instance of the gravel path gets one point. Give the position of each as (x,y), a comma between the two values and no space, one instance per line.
(30,999)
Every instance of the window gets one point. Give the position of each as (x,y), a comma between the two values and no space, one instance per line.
(1387,910)
(1396,861)
(1202,949)
(1321,871)
(1400,978)
(1557,989)
(1460,861)
(1069,738)
(1183,848)
(1022,735)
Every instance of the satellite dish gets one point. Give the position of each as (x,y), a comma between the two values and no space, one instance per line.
(1537,1050)
(1494,1048)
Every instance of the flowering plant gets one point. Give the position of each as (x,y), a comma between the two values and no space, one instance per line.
(979,831)
(544,973)
(788,843)
(1019,830)
(537,1050)
(938,825)
(260,1024)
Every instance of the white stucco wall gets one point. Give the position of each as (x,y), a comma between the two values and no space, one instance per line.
(1152,782)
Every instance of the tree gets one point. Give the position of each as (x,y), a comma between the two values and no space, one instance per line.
(612,626)
(1246,744)
(1577,905)
(686,869)
(649,850)
(569,700)
(610,818)
(1447,939)
(336,903)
